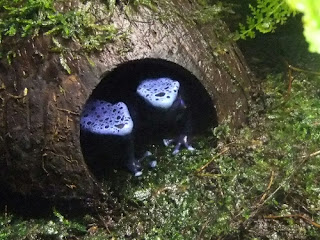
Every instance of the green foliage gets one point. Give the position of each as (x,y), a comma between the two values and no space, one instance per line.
(218,192)
(223,131)
(209,13)
(213,193)
(27,18)
(58,228)
(79,29)
(264,18)
(311,21)
(85,25)
(148,3)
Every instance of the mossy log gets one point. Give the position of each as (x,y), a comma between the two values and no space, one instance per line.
(41,103)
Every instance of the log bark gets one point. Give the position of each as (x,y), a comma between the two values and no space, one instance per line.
(41,103)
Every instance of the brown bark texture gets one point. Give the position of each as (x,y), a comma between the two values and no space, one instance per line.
(40,153)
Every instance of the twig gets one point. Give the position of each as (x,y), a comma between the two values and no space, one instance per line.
(290,81)
(209,175)
(44,155)
(215,157)
(308,220)
(22,95)
(105,224)
(258,206)
(203,228)
(313,154)
(302,70)
(2,87)
(268,188)
(292,68)
(68,111)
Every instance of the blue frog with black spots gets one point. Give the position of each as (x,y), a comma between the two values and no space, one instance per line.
(153,108)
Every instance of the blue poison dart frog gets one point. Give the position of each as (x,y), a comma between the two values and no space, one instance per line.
(156,109)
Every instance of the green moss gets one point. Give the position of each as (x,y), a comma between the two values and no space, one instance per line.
(210,13)
(32,229)
(217,192)
(76,28)
(253,173)
(82,23)
(222,192)
(265,16)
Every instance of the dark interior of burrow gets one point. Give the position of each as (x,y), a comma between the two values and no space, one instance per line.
(125,78)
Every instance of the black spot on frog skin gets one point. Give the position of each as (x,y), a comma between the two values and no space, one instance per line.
(161,94)
(120,125)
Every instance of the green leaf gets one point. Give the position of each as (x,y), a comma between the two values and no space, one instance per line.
(10,55)
(311,21)
(90,61)
(264,18)
(64,63)
(12,31)
(82,24)
(56,43)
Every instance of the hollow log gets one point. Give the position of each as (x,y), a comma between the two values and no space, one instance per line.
(41,103)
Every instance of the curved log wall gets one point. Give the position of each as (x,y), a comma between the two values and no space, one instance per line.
(41,103)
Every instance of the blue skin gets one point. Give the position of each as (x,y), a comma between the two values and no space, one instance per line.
(105,119)
(162,96)
(182,140)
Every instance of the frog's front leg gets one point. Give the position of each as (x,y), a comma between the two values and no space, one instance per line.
(186,129)
(182,140)
(134,167)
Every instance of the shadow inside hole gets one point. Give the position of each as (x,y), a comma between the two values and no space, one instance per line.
(103,154)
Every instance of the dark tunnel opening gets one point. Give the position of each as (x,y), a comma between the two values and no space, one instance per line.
(120,85)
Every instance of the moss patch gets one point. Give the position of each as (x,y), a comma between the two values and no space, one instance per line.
(261,182)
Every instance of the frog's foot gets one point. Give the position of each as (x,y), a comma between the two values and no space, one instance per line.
(150,157)
(181,140)
(134,167)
